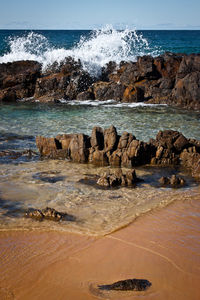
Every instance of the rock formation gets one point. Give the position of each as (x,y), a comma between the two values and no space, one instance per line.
(170,78)
(106,147)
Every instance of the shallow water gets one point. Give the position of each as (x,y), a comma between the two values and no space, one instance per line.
(71,188)
(144,121)
(30,183)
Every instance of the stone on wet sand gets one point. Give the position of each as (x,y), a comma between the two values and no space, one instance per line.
(127,285)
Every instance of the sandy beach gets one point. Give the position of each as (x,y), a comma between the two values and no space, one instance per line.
(162,246)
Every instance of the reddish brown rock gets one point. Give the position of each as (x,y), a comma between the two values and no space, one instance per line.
(110,139)
(187,90)
(189,64)
(98,157)
(125,140)
(51,87)
(133,94)
(97,138)
(108,90)
(79,148)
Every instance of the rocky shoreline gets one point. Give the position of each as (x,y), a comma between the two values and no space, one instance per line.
(172,79)
(106,147)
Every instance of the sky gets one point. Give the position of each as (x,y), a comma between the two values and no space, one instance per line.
(93,14)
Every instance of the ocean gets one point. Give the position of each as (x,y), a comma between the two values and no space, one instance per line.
(26,183)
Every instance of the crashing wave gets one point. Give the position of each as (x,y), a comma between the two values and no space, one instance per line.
(94,52)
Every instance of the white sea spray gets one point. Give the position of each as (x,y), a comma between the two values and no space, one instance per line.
(94,52)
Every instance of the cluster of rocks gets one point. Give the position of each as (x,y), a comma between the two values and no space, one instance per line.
(172,181)
(47,214)
(106,147)
(118,178)
(169,78)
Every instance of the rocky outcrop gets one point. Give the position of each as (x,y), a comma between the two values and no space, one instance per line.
(170,78)
(106,147)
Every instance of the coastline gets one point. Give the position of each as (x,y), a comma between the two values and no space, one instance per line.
(161,246)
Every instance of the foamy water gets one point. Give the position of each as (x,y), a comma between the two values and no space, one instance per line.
(94,52)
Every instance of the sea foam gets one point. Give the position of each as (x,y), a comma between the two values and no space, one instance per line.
(94,52)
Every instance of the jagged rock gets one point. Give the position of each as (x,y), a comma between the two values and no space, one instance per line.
(169,145)
(51,87)
(18,79)
(97,138)
(48,146)
(107,70)
(147,69)
(168,64)
(87,95)
(133,94)
(127,285)
(79,148)
(79,82)
(187,90)
(108,90)
(189,64)
(110,139)
(107,147)
(115,158)
(98,157)
(125,140)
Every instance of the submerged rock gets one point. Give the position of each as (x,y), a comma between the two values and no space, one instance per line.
(48,214)
(174,181)
(127,285)
(117,178)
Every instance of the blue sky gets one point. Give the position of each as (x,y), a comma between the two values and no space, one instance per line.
(89,14)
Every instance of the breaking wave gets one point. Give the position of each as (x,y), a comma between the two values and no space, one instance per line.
(95,51)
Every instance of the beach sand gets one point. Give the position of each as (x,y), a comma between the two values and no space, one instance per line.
(162,246)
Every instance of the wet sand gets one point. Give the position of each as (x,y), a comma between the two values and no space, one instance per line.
(162,246)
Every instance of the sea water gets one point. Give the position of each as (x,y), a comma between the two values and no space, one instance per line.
(72,187)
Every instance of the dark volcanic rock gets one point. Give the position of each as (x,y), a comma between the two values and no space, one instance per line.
(18,79)
(127,285)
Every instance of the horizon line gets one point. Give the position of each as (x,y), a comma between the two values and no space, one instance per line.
(161,29)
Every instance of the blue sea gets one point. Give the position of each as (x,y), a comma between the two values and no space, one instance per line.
(95,49)
(28,183)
